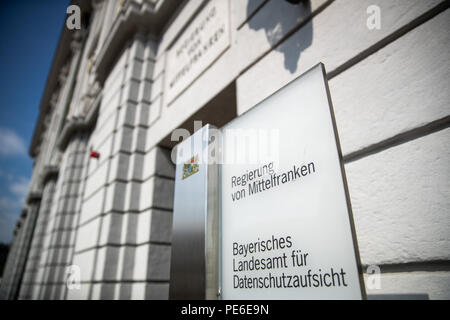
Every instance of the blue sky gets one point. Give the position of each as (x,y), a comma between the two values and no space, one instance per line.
(29,32)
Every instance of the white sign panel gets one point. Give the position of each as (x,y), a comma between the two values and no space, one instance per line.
(198,47)
(286,219)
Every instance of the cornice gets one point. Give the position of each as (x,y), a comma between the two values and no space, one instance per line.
(145,16)
(67,42)
(134,16)
(81,124)
(34,197)
(48,173)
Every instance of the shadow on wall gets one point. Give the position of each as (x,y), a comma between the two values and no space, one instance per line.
(277,28)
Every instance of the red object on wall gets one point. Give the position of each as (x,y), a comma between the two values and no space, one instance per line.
(95,154)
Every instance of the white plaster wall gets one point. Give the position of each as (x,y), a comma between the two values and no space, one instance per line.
(333,37)
(400,202)
(399,88)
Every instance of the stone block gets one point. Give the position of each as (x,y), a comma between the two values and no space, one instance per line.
(316,42)
(400,202)
(404,86)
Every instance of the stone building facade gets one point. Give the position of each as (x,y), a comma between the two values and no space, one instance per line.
(138,69)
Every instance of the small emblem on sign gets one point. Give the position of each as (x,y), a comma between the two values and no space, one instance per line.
(190,167)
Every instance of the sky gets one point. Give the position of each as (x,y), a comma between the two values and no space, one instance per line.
(29,33)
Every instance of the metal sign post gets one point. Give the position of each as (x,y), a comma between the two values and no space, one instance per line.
(195,252)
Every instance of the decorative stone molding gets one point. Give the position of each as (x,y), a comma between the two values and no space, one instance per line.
(54,100)
(97,4)
(48,173)
(68,43)
(20,221)
(75,125)
(63,74)
(149,16)
(34,197)
(89,98)
(77,40)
